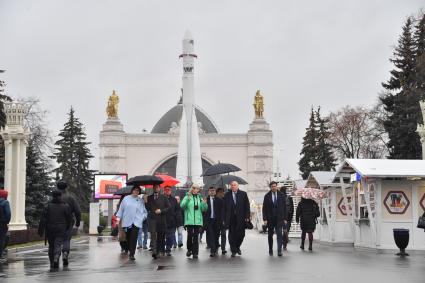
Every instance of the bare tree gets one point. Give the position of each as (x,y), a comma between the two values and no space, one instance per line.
(357,132)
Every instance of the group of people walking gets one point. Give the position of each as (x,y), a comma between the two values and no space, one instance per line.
(165,215)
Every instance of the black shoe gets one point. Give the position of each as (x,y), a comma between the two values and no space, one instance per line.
(180,245)
(55,264)
(154,255)
(279,253)
(195,256)
(213,254)
(310,248)
(233,254)
(150,249)
(223,252)
(270,252)
(65,259)
(239,252)
(168,253)
(302,247)
(188,253)
(131,257)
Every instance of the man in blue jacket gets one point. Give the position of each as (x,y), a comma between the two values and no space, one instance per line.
(4,220)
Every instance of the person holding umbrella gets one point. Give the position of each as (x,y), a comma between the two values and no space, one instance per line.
(157,207)
(307,213)
(132,213)
(193,206)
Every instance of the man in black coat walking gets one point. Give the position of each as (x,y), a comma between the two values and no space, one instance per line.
(171,219)
(214,218)
(289,217)
(157,207)
(219,193)
(76,218)
(55,221)
(274,216)
(237,214)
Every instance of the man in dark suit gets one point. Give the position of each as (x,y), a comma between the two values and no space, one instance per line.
(237,214)
(219,193)
(157,207)
(214,218)
(274,216)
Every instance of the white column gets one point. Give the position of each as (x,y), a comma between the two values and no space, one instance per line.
(421,128)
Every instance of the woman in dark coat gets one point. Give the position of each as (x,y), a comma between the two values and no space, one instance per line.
(55,221)
(307,213)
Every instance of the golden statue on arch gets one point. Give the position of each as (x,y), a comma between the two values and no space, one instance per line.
(258,105)
(112,108)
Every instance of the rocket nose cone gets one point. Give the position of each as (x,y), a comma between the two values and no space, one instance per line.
(187,35)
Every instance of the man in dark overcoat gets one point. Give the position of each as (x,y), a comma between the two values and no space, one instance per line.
(237,215)
(157,207)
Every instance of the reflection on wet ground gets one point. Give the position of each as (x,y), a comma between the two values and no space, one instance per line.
(102,262)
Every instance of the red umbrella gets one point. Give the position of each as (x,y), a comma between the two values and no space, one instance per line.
(168,181)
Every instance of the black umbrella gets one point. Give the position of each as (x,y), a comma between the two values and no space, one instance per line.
(144,180)
(221,168)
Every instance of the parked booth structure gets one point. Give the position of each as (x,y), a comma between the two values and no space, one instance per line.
(382,194)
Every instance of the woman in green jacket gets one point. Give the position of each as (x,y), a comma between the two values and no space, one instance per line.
(193,205)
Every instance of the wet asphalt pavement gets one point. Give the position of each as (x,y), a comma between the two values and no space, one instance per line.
(93,261)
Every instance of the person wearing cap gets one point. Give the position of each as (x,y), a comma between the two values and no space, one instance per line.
(55,221)
(5,216)
(193,206)
(76,218)
(132,213)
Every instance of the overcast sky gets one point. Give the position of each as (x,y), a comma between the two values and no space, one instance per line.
(298,53)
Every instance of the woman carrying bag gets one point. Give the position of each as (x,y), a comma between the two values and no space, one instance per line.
(193,206)
(132,213)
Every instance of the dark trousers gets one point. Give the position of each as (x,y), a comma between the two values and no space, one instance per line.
(212,235)
(223,238)
(55,247)
(192,238)
(3,233)
(272,227)
(67,239)
(236,235)
(169,239)
(131,235)
(157,238)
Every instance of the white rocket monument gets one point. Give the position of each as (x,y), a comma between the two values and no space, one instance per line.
(189,162)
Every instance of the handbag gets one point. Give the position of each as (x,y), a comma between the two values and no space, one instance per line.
(421,222)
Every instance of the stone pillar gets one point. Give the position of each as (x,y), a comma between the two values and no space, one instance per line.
(421,128)
(260,158)
(112,156)
(15,136)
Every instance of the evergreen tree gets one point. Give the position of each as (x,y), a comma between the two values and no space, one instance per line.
(39,167)
(419,41)
(38,184)
(308,161)
(403,60)
(325,157)
(401,102)
(73,156)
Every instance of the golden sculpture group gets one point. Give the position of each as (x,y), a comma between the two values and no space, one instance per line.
(112,108)
(258,105)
